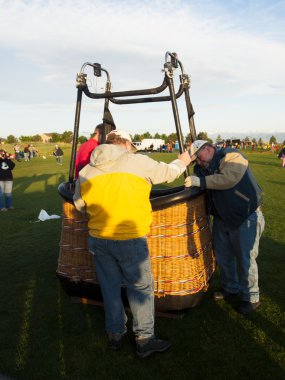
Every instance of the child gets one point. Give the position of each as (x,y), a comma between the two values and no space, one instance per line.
(6,181)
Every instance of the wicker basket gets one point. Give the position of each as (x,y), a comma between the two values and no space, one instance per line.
(180,246)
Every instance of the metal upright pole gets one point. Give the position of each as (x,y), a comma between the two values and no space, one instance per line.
(75,135)
(169,78)
(80,84)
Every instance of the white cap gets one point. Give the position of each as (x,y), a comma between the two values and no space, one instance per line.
(196,146)
(124,135)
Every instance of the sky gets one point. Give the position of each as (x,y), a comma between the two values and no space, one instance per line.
(234,52)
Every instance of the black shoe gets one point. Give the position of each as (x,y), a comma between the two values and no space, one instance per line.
(116,341)
(223,295)
(148,346)
(247,307)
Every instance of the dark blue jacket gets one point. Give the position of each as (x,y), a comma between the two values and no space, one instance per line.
(6,167)
(233,205)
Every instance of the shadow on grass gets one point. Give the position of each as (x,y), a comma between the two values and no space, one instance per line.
(271,262)
(47,337)
(33,193)
(265,163)
(278,182)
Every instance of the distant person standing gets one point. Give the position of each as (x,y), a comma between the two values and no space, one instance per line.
(32,151)
(168,147)
(27,153)
(6,181)
(17,152)
(282,156)
(58,153)
(85,149)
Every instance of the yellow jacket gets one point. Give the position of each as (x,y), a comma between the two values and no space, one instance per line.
(114,190)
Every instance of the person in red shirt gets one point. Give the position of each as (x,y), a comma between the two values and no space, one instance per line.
(85,149)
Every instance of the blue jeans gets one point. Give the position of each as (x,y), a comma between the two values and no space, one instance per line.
(59,159)
(236,252)
(125,262)
(6,194)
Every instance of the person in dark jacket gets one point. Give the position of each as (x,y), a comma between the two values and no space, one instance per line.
(234,199)
(58,153)
(281,155)
(6,181)
(27,152)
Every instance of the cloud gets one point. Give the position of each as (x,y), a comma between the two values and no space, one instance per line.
(131,38)
(231,49)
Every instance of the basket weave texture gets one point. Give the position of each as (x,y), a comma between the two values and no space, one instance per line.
(180,246)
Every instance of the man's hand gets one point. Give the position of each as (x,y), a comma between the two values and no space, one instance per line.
(185,158)
(192,181)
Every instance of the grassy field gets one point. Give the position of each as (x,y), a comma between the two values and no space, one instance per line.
(46,337)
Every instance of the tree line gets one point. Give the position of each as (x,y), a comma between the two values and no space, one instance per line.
(67,137)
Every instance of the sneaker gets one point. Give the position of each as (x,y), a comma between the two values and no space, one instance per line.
(10,208)
(3,209)
(247,307)
(223,294)
(146,347)
(116,341)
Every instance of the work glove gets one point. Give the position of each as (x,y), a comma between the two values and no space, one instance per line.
(192,181)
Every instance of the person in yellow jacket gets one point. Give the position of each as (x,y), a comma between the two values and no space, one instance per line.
(114,190)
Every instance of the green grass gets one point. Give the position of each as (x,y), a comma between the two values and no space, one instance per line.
(45,336)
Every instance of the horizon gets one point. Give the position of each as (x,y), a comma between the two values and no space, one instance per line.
(280,136)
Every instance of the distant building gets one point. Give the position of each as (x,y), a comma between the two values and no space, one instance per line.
(46,137)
